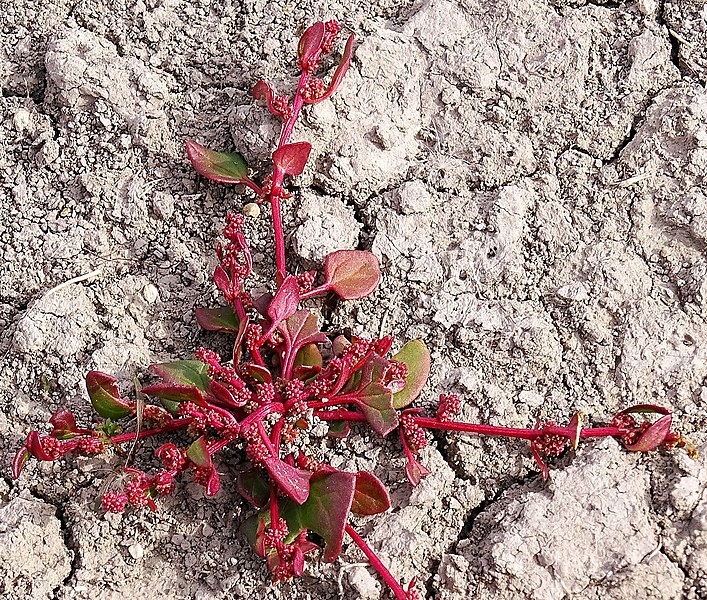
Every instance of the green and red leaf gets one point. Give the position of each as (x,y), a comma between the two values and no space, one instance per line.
(253,487)
(105,397)
(370,496)
(174,392)
(218,319)
(351,274)
(417,358)
(376,403)
(184,372)
(224,167)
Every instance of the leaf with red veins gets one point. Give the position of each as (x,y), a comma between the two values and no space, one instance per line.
(301,329)
(370,496)
(417,358)
(217,319)
(291,159)
(292,481)
(105,397)
(351,274)
(653,436)
(285,302)
(184,372)
(344,64)
(376,403)
(311,42)
(175,392)
(224,167)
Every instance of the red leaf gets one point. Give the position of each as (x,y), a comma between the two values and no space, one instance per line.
(291,480)
(352,274)
(311,41)
(415,471)
(222,281)
(370,497)
(344,64)
(19,461)
(291,158)
(35,448)
(654,436)
(65,425)
(224,167)
(285,302)
(222,396)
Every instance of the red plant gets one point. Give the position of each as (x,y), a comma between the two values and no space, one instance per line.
(285,375)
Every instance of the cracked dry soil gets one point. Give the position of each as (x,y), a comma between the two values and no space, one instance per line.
(531,174)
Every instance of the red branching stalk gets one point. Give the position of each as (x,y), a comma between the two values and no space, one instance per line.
(285,374)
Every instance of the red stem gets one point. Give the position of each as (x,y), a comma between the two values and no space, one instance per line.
(376,563)
(278,176)
(172,425)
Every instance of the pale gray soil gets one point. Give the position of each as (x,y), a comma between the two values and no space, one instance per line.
(531,174)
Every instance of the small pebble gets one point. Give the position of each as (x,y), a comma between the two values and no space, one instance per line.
(251,210)
(136,551)
(150,293)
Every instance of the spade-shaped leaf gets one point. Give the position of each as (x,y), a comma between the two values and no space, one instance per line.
(308,362)
(376,403)
(652,437)
(415,471)
(351,274)
(105,397)
(64,425)
(217,319)
(224,167)
(184,372)
(417,358)
(325,512)
(370,497)
(291,158)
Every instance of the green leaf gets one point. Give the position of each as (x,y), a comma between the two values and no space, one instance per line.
(217,319)
(370,497)
(184,372)
(105,397)
(253,487)
(198,453)
(417,358)
(224,167)
(308,362)
(376,403)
